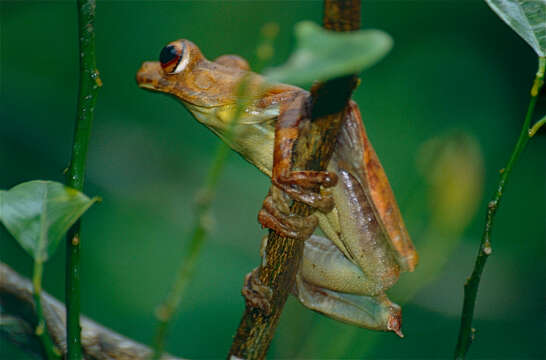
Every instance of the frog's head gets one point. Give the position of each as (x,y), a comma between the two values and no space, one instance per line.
(183,71)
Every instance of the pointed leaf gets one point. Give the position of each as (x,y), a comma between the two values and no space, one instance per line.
(321,54)
(526,17)
(38,214)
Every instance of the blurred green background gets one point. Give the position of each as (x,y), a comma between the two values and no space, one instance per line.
(443,110)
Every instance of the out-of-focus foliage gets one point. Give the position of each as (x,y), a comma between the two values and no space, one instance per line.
(38,214)
(525,17)
(317,54)
(453,67)
(453,169)
(451,166)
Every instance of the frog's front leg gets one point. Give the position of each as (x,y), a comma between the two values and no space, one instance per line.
(304,185)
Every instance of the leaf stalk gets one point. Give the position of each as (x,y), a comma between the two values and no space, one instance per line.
(52,353)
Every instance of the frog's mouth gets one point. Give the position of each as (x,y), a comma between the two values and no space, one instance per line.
(150,76)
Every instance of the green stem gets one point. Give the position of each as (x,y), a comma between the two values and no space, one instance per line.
(52,353)
(168,308)
(472,283)
(87,96)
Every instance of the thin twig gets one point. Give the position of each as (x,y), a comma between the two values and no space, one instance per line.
(313,151)
(98,342)
(87,96)
(471,286)
(536,127)
(205,196)
(167,309)
(50,350)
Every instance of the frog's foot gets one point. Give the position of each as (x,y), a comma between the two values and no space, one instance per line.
(372,312)
(275,216)
(394,322)
(257,294)
(304,185)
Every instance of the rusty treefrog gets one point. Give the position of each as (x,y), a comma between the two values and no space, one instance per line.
(346,274)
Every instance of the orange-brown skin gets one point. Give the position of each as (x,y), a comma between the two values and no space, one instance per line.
(204,82)
(383,197)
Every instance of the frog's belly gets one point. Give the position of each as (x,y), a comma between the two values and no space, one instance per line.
(255,143)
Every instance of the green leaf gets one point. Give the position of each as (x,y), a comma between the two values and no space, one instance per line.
(39,213)
(321,54)
(526,17)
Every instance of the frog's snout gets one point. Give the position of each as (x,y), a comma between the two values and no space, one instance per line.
(150,76)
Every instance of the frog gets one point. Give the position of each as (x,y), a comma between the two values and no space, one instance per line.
(345,273)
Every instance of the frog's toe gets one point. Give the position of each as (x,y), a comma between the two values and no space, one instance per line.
(281,200)
(293,226)
(323,201)
(309,179)
(256,294)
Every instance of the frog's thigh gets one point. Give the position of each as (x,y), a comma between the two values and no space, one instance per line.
(325,265)
(372,312)
(362,232)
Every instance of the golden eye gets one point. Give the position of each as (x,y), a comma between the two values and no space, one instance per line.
(170,58)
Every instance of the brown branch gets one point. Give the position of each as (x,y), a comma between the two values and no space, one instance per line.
(18,314)
(313,151)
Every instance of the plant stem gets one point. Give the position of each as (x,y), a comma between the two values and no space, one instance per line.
(205,196)
(89,84)
(312,151)
(168,308)
(472,283)
(200,228)
(52,353)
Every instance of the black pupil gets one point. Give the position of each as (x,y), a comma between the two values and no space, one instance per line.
(168,54)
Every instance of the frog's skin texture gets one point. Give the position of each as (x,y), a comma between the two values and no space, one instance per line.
(345,275)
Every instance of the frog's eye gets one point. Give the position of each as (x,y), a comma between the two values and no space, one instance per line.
(173,58)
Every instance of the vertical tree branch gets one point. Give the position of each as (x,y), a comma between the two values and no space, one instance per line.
(89,84)
(472,283)
(312,151)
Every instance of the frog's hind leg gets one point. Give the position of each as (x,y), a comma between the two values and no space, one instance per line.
(324,265)
(371,312)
